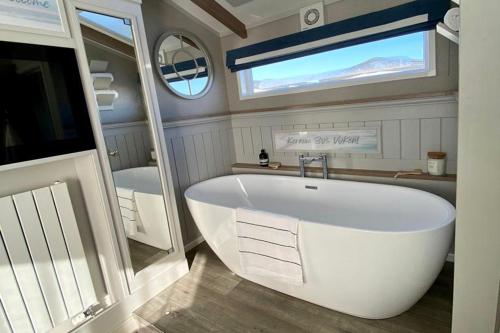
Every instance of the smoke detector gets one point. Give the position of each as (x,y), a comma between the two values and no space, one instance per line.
(312,16)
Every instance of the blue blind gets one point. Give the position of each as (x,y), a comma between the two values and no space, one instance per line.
(415,16)
(188,65)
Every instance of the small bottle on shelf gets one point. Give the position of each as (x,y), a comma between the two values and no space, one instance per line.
(263,158)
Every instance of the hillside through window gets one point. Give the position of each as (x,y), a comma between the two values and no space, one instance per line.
(396,58)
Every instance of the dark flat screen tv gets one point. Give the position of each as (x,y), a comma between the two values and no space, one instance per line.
(43,111)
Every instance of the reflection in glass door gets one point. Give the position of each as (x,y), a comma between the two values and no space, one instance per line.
(110,49)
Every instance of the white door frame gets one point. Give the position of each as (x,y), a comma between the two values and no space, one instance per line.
(130,9)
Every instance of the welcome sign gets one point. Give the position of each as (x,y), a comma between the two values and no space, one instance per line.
(352,140)
(33,14)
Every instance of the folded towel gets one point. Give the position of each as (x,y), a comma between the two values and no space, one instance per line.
(125,193)
(129,225)
(269,267)
(273,250)
(272,235)
(268,245)
(269,220)
(127,203)
(128,213)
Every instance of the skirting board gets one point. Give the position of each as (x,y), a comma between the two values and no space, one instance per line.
(136,324)
(118,315)
(191,245)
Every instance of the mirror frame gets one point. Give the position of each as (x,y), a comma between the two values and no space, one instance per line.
(130,10)
(189,35)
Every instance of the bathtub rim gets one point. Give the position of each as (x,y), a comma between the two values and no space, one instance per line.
(451,216)
(122,172)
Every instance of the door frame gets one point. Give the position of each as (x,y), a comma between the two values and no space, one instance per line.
(130,9)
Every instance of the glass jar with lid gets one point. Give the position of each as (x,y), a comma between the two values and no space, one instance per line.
(436,163)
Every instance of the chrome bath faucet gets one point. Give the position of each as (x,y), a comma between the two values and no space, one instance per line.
(303,160)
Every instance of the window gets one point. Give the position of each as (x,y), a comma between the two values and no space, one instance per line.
(396,58)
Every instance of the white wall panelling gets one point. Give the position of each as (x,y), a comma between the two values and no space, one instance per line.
(409,129)
(132,142)
(198,150)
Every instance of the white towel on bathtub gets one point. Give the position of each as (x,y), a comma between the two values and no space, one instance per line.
(127,203)
(125,193)
(128,209)
(268,245)
(130,226)
(130,214)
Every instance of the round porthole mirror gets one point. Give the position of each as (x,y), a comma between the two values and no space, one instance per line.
(183,64)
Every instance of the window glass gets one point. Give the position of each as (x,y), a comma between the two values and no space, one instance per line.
(389,59)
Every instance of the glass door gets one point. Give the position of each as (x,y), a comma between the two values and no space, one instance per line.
(109,43)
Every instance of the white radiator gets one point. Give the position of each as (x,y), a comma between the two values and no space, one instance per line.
(44,275)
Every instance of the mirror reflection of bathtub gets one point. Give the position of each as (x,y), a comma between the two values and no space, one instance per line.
(126,129)
(142,206)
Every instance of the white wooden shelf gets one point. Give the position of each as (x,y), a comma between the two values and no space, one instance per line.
(443,30)
(98,66)
(102,81)
(105,99)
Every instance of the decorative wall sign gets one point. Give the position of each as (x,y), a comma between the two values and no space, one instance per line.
(352,140)
(32,14)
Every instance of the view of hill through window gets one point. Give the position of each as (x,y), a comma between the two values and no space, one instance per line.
(358,64)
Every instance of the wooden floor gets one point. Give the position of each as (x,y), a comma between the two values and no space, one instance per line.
(143,255)
(212,299)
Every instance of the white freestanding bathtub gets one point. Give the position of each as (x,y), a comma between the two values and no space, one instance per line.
(368,250)
(151,215)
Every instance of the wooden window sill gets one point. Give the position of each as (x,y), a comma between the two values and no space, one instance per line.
(350,172)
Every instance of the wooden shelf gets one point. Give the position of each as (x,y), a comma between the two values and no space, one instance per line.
(105,99)
(349,172)
(102,81)
(443,30)
(349,102)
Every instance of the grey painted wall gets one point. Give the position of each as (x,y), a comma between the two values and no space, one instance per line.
(159,16)
(477,264)
(129,106)
(447,63)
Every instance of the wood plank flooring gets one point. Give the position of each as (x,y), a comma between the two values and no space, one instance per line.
(212,299)
(142,255)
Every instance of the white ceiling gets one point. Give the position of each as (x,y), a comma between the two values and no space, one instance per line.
(251,13)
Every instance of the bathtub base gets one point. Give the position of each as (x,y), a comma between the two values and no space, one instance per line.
(368,298)
(150,215)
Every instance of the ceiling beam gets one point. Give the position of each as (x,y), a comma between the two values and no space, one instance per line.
(222,15)
(108,41)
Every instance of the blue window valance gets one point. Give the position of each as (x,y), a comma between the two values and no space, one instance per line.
(187,69)
(415,16)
